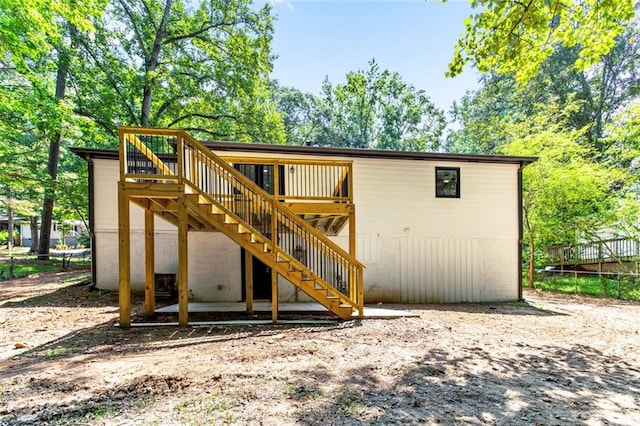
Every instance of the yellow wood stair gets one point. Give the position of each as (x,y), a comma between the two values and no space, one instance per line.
(203,215)
(176,177)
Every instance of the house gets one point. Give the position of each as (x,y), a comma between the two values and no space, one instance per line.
(242,222)
(17,221)
(66,232)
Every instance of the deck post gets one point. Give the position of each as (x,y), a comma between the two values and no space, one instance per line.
(356,276)
(274,295)
(149,263)
(124,258)
(183,258)
(248,280)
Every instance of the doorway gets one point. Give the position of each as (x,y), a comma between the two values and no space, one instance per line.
(261,279)
(263,176)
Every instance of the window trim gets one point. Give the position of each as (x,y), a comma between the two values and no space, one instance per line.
(454,169)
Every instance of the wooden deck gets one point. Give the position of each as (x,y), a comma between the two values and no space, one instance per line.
(601,256)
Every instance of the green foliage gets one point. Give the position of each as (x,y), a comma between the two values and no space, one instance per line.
(373,109)
(200,67)
(612,286)
(566,191)
(589,98)
(70,72)
(517,37)
(299,113)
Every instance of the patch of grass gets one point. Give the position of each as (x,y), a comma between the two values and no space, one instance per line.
(303,392)
(350,404)
(25,266)
(211,409)
(102,413)
(59,351)
(625,289)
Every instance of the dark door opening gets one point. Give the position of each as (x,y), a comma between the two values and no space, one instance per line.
(263,176)
(261,279)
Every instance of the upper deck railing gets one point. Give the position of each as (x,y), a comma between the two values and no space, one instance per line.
(152,155)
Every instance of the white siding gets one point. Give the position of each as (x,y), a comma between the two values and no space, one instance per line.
(416,247)
(419,248)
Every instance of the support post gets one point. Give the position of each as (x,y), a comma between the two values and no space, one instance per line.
(352,230)
(360,293)
(274,295)
(357,276)
(183,258)
(149,261)
(248,280)
(124,258)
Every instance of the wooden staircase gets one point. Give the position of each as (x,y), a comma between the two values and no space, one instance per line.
(162,170)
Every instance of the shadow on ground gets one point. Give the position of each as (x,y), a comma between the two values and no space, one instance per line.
(543,385)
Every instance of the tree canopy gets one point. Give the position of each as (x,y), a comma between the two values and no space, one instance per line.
(514,37)
(373,108)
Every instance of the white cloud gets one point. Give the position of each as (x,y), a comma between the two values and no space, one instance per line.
(287,3)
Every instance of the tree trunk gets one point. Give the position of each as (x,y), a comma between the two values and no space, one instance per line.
(9,223)
(532,246)
(52,164)
(152,63)
(33,224)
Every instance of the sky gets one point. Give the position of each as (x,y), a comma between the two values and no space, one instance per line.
(416,38)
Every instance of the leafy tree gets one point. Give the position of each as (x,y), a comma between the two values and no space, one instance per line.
(592,97)
(300,113)
(484,116)
(74,73)
(376,109)
(517,37)
(566,192)
(623,140)
(37,47)
(163,63)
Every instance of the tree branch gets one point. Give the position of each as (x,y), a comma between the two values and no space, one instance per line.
(203,29)
(205,116)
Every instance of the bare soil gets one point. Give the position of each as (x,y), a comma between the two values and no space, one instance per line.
(557,360)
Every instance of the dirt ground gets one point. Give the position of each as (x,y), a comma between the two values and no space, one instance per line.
(554,361)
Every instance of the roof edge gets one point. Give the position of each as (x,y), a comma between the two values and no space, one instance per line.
(88,153)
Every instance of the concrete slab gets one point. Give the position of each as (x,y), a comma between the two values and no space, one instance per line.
(375,311)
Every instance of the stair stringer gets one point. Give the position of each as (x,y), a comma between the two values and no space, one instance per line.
(279,260)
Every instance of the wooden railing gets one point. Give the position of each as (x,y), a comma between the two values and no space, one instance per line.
(173,156)
(299,180)
(613,250)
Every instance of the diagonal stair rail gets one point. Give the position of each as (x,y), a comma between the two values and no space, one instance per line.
(309,253)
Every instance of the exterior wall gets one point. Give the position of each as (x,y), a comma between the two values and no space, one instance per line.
(416,247)
(210,253)
(419,248)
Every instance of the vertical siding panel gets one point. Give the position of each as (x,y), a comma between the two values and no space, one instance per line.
(441,267)
(423,270)
(404,271)
(415,267)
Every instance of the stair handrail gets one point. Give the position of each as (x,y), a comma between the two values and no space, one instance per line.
(264,194)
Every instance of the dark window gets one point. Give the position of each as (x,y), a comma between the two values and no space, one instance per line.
(448,182)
